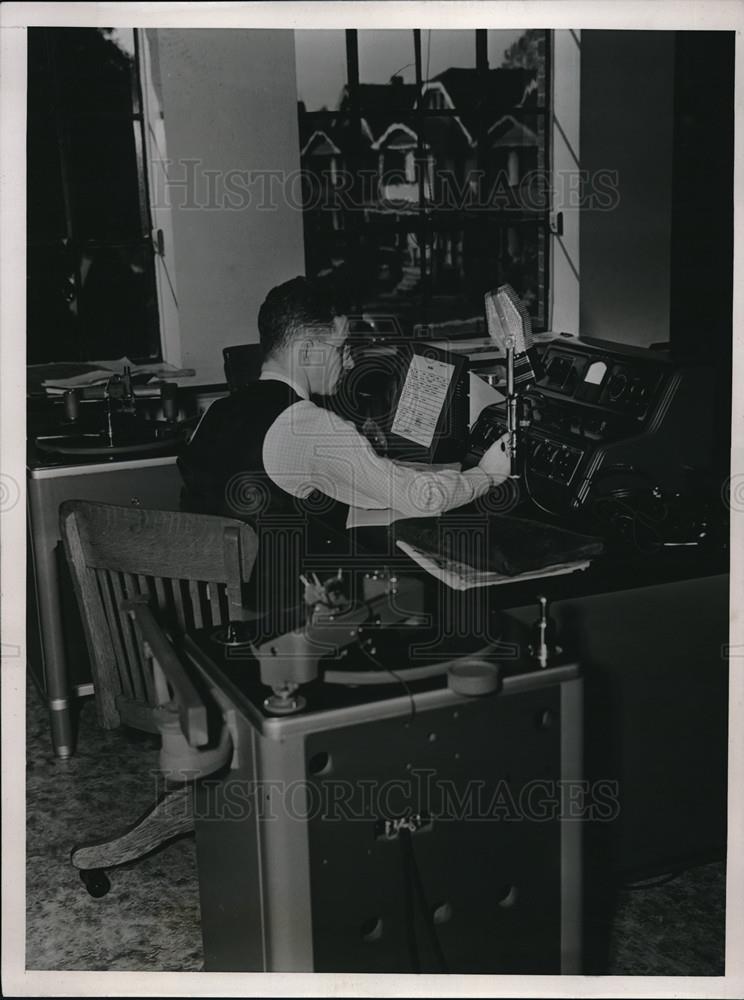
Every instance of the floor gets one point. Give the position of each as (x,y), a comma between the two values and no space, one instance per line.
(150,919)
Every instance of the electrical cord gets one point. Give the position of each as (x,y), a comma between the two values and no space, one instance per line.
(615,507)
(409,906)
(399,679)
(617,499)
(413,880)
(533,499)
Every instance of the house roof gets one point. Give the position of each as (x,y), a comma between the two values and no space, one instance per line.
(388,107)
(320,144)
(397,135)
(335,127)
(501,88)
(509,132)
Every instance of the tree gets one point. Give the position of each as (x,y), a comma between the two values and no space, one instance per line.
(523,54)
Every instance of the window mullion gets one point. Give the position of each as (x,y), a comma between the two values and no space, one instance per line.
(423,228)
(353,149)
(138,125)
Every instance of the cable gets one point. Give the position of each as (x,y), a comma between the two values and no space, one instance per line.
(531,496)
(409,906)
(406,844)
(617,497)
(634,517)
(400,680)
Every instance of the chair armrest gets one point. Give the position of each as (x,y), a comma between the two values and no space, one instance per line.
(192,711)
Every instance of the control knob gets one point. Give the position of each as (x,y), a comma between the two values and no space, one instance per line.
(617,386)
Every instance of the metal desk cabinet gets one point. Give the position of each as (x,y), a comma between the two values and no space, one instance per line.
(297,873)
(57,652)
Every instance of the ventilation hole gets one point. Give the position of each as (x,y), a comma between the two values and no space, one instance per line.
(506,896)
(442,913)
(371,930)
(545,719)
(319,763)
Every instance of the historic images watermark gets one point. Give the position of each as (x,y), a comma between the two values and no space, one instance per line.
(188,184)
(421,798)
(10,492)
(732,493)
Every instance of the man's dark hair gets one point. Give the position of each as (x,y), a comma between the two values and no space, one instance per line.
(292,308)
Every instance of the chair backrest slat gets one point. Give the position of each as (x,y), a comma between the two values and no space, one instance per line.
(112,622)
(132,590)
(183,619)
(161,597)
(131,644)
(196,603)
(191,567)
(144,663)
(136,586)
(214,602)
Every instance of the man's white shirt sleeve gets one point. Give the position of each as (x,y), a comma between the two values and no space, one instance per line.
(309,448)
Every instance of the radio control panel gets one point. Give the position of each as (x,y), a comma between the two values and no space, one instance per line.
(621,385)
(599,407)
(547,457)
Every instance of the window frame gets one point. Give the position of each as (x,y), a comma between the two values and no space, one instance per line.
(157,163)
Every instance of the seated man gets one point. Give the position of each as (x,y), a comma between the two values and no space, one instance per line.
(269,455)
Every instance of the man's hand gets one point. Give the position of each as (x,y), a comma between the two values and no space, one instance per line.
(497,460)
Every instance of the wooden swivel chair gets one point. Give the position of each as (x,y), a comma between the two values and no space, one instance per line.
(141,578)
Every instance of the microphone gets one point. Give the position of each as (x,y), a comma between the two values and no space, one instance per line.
(510,326)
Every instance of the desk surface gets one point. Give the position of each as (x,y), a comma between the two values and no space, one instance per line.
(620,568)
(236,673)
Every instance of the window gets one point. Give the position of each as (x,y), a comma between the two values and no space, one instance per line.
(439,185)
(90,275)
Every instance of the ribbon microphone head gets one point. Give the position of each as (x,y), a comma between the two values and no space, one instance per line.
(510,326)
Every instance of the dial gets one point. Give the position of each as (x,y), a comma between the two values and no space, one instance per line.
(617,385)
(638,390)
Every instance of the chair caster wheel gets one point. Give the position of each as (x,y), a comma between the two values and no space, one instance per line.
(95,881)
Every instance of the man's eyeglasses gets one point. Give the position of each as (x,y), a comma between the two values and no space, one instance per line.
(343,350)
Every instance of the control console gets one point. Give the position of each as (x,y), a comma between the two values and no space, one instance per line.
(602,410)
